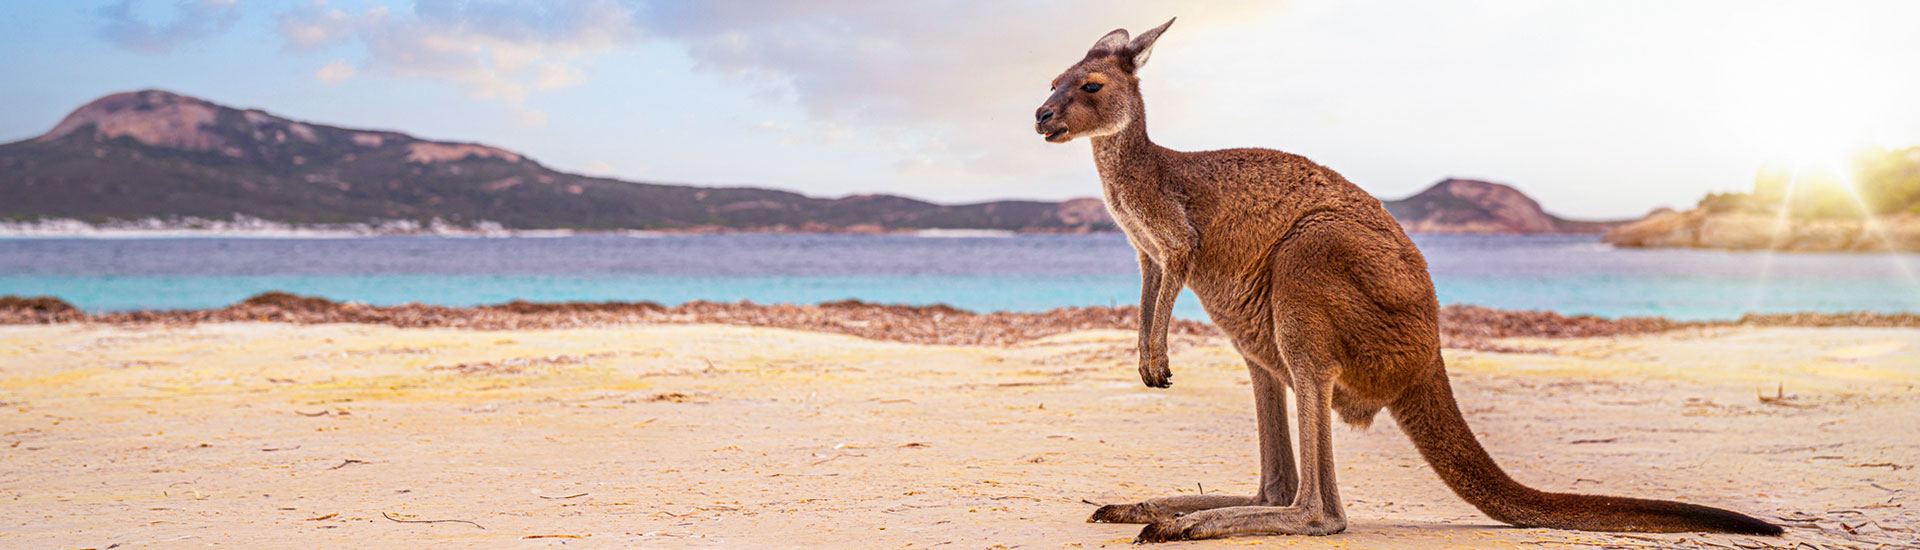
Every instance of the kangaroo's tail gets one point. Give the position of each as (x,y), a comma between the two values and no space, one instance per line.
(1432,419)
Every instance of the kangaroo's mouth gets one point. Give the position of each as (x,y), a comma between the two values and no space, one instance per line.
(1055,135)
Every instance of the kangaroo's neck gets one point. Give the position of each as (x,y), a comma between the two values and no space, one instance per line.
(1126,158)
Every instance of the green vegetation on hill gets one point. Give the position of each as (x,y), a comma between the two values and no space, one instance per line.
(1873,182)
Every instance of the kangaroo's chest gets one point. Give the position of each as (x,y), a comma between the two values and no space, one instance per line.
(1129,217)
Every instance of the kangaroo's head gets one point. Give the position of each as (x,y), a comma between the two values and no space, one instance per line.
(1099,95)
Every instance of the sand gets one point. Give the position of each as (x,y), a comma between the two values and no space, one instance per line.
(698,436)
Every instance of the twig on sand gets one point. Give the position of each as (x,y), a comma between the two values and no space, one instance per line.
(525,537)
(305,413)
(391,518)
(346,462)
(1780,398)
(568,496)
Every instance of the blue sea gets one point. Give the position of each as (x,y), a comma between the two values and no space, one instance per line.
(1566,274)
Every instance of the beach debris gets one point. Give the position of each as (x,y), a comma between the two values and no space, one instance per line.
(577,495)
(525,537)
(515,365)
(672,397)
(325,517)
(1889,465)
(397,519)
(1780,398)
(348,462)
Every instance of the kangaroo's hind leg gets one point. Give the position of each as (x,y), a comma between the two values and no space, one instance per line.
(1316,507)
(1278,477)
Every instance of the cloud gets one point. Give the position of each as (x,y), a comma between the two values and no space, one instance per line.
(944,88)
(334,73)
(315,25)
(193,20)
(494,49)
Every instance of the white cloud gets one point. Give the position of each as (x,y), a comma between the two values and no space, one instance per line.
(334,73)
(315,25)
(495,49)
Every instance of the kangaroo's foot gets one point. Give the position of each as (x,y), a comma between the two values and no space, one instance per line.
(1154,371)
(1165,508)
(1243,520)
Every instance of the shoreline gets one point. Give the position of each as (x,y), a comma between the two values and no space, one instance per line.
(1461,326)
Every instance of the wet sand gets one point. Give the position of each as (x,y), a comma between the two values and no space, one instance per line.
(701,435)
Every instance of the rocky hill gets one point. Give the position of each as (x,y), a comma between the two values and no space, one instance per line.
(155,154)
(1470,206)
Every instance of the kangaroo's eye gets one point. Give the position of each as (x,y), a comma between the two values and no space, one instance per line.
(1090,88)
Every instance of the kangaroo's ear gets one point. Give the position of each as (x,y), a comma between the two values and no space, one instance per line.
(1113,42)
(1142,46)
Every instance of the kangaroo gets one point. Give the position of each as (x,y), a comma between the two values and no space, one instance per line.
(1321,292)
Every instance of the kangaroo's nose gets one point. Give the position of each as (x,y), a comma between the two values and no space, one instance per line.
(1045,115)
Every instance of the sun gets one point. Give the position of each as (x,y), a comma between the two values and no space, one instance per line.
(1810,95)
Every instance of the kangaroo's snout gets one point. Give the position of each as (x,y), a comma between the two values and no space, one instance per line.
(1049,126)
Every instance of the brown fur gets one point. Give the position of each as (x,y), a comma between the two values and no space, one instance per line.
(1322,293)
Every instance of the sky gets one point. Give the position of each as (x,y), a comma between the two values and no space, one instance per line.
(1597,109)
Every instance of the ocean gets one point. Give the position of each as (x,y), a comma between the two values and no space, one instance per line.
(1562,273)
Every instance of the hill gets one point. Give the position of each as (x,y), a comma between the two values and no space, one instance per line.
(156,154)
(1471,206)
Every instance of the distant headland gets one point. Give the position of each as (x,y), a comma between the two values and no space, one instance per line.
(1869,203)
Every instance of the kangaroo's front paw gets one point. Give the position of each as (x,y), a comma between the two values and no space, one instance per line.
(1154,372)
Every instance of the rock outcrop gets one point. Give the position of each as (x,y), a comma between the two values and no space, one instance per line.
(1699,228)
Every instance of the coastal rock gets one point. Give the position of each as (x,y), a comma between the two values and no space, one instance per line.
(1699,228)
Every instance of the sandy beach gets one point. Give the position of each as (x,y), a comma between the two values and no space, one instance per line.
(701,435)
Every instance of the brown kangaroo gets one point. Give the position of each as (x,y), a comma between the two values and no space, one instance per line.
(1321,292)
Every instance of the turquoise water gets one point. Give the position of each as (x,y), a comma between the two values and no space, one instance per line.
(1573,275)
